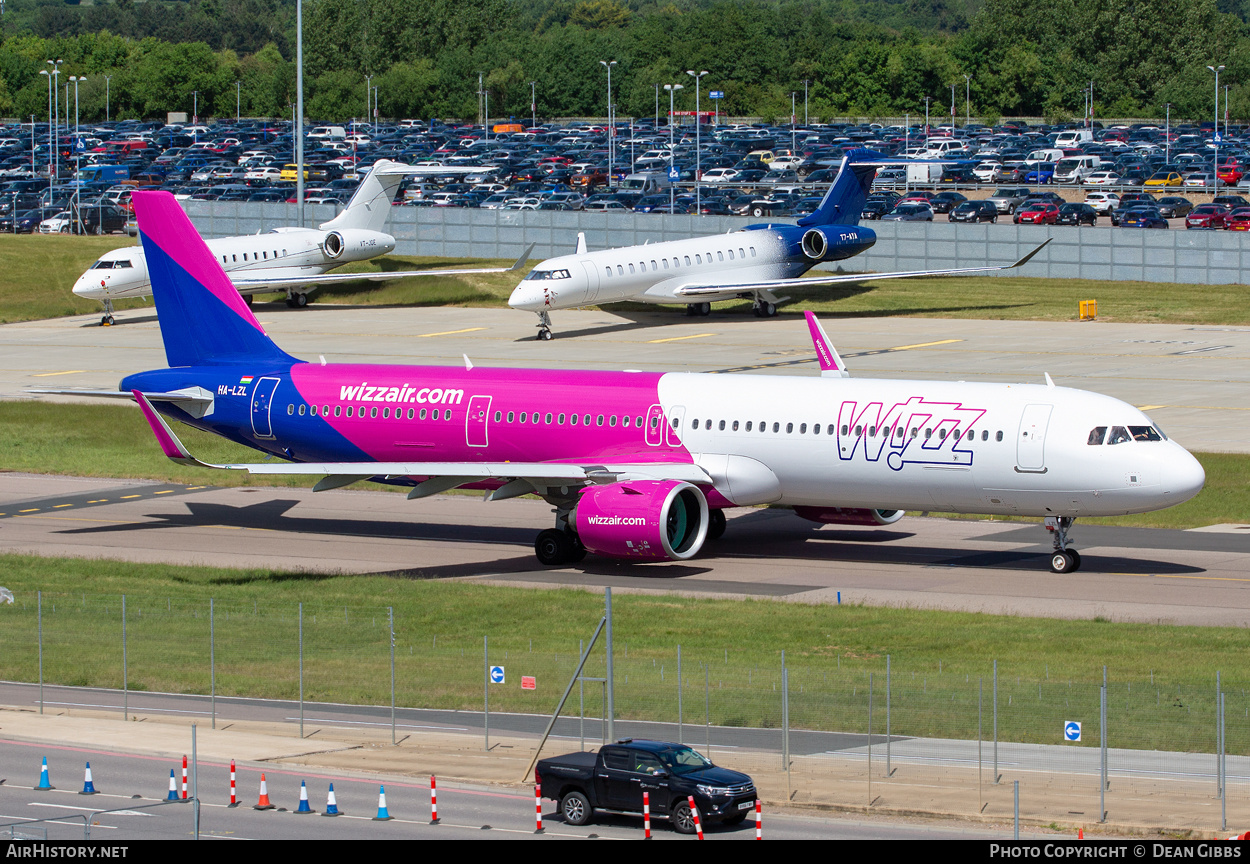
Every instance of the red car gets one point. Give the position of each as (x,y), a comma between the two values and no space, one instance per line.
(1037,214)
(1207,216)
(1231,170)
(1239,219)
(924,197)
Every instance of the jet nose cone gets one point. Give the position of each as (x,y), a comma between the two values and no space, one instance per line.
(1183,476)
(526,297)
(85,287)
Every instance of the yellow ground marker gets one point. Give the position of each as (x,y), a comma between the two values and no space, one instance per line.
(679,338)
(59,506)
(51,374)
(925,344)
(1205,578)
(32,510)
(1149,407)
(449,332)
(163,492)
(124,497)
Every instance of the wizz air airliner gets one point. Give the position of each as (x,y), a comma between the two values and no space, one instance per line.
(751,264)
(292,259)
(640,465)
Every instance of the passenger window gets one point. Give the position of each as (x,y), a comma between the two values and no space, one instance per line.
(350,411)
(638,421)
(547,420)
(985,434)
(337,410)
(617,759)
(624,421)
(721,426)
(789,428)
(928,433)
(655,421)
(585,419)
(698,259)
(599,420)
(816,429)
(998,436)
(608,270)
(898,432)
(859,430)
(421,416)
(560,420)
(631,268)
(687,260)
(741,253)
(620,271)
(572,419)
(665,263)
(522,417)
(511,415)
(446,414)
(752,251)
(290,409)
(731,254)
(654,265)
(498,415)
(410,413)
(386,413)
(301,410)
(373,413)
(748,425)
(915,431)
(642,265)
(612,420)
(694,425)
(1096,435)
(802,428)
(720,256)
(776,427)
(707,424)
(942,434)
(735,426)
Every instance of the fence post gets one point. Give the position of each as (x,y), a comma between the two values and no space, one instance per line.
(486,689)
(39,596)
(707,709)
(581,685)
(785,714)
(995,708)
(390,615)
(869,739)
(125,668)
(679,723)
(611,674)
(301,670)
(1223,771)
(1219,741)
(980,736)
(1102,746)
(212,664)
(888,771)
(1016,784)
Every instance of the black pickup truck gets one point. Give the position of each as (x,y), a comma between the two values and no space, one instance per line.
(613,780)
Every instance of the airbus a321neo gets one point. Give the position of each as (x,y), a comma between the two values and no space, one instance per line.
(753,263)
(291,259)
(641,465)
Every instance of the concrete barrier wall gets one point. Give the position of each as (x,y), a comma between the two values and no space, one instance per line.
(1195,257)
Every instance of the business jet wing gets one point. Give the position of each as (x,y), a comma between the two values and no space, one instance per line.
(696,290)
(254,286)
(523,477)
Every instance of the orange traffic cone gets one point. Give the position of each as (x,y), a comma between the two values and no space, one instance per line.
(263,803)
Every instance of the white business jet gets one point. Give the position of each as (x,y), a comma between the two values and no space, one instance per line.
(290,258)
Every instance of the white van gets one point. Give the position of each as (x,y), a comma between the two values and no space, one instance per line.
(647,182)
(328,132)
(1073,137)
(942,146)
(1074,169)
(1045,155)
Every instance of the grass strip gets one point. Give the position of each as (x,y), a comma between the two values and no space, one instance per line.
(1162,677)
(115,441)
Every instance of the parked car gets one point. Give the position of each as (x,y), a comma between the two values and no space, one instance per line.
(1207,217)
(1102,202)
(1143,216)
(614,779)
(909,211)
(1103,178)
(1175,207)
(1077,214)
(878,204)
(944,202)
(1007,199)
(1239,219)
(102,220)
(974,211)
(1036,212)
(1165,178)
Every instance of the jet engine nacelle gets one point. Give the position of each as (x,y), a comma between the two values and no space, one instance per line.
(356,244)
(815,245)
(849,515)
(643,519)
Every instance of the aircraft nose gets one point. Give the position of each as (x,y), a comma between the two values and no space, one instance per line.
(526,297)
(86,287)
(1183,476)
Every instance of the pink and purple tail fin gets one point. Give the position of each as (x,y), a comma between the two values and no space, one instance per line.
(203,318)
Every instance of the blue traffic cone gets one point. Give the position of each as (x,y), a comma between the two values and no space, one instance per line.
(303,799)
(44,785)
(173,787)
(332,807)
(88,788)
(382,816)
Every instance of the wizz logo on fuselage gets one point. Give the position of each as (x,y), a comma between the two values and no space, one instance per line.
(915,431)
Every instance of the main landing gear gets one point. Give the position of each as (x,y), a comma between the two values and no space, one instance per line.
(1063,559)
(763,309)
(107,320)
(698,310)
(555,547)
(296,299)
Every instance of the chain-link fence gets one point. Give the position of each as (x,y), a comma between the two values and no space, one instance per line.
(871,732)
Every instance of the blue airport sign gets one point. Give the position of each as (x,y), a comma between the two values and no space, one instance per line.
(496,675)
(1072,731)
(1218,139)
(716,94)
(674,174)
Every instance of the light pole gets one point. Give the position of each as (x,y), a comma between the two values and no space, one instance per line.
(299,109)
(611,128)
(51,137)
(486,113)
(672,192)
(369,99)
(195,116)
(1215,139)
(968,100)
(698,123)
(56,125)
(805,120)
(657,107)
(952,109)
(533,105)
(793,145)
(927,100)
(374,118)
(238,102)
(77,221)
(107,78)
(1167,134)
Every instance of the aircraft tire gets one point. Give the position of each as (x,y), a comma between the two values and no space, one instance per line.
(705,309)
(300,300)
(715,524)
(553,547)
(544,335)
(1062,562)
(770,310)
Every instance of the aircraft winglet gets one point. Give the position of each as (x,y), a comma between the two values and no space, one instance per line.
(831,365)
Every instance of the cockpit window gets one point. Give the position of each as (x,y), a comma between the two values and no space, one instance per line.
(548,274)
(1145,433)
(1118,435)
(1096,435)
(102,265)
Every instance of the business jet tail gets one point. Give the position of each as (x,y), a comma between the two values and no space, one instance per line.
(844,202)
(370,206)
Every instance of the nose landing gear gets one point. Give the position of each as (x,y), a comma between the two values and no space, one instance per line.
(107,320)
(544,327)
(1063,559)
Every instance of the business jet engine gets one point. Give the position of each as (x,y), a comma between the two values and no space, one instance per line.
(849,515)
(643,519)
(356,244)
(815,244)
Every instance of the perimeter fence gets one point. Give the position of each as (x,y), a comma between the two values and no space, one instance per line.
(827,728)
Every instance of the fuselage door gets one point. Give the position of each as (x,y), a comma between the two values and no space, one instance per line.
(655,426)
(592,278)
(262,404)
(1031,441)
(475,421)
(672,434)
